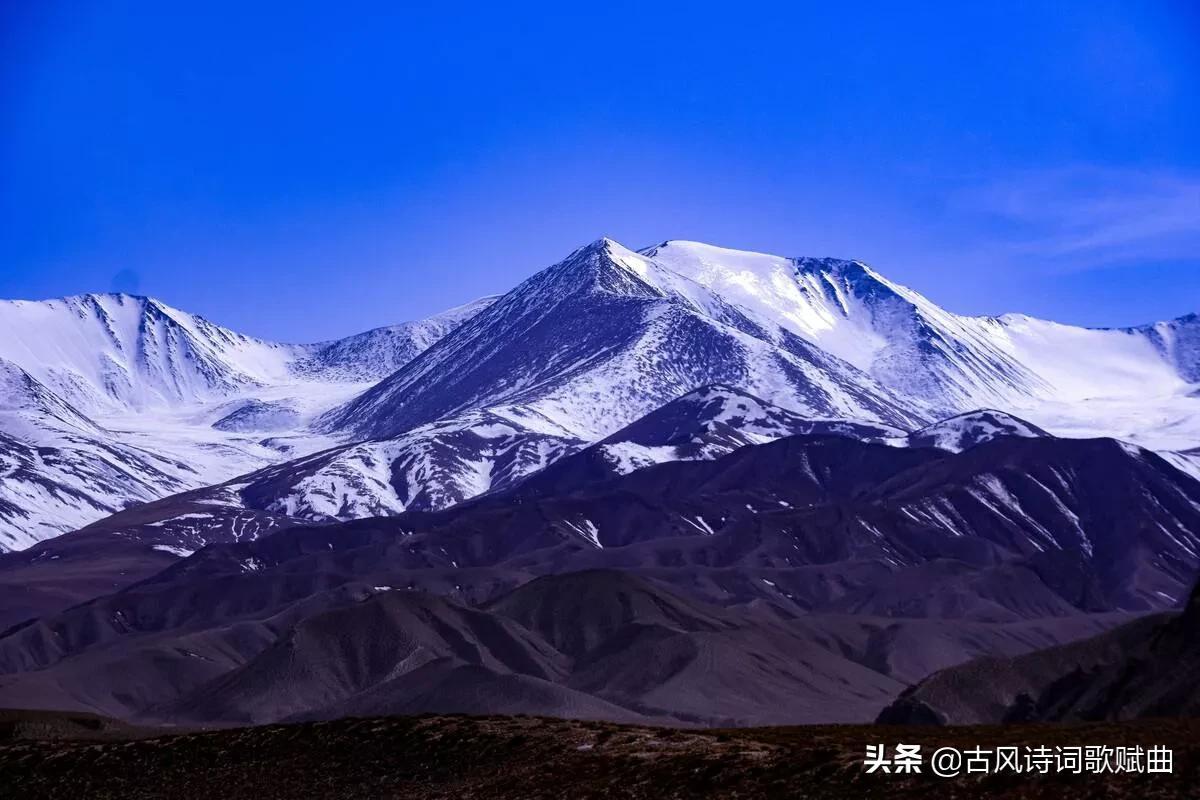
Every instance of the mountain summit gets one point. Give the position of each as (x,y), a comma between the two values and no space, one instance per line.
(599,339)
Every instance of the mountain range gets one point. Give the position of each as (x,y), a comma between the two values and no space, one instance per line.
(682,485)
(111,401)
(806,579)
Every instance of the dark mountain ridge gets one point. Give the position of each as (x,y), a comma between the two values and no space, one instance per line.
(790,580)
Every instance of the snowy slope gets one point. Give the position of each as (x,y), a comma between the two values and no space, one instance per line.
(429,468)
(1074,381)
(111,400)
(107,400)
(435,466)
(1178,341)
(375,354)
(853,312)
(964,431)
(114,353)
(606,335)
(59,469)
(713,421)
(1187,462)
(51,488)
(600,339)
(28,405)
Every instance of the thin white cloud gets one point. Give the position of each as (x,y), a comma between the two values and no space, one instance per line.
(1091,214)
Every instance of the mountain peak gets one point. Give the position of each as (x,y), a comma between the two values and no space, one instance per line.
(964,431)
(603,264)
(604,244)
(98,297)
(106,300)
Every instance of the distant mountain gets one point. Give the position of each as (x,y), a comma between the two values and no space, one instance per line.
(111,400)
(1014,528)
(598,644)
(1142,669)
(374,355)
(888,354)
(702,425)
(611,338)
(964,431)
(121,353)
(808,578)
(436,466)
(106,353)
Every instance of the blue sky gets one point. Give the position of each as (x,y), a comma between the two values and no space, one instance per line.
(302,170)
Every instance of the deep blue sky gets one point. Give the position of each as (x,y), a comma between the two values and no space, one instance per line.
(301,171)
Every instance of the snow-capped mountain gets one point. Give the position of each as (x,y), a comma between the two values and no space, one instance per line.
(1135,383)
(375,354)
(702,425)
(429,468)
(436,466)
(608,334)
(611,338)
(120,353)
(600,339)
(116,353)
(112,400)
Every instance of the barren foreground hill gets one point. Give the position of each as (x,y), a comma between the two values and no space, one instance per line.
(532,757)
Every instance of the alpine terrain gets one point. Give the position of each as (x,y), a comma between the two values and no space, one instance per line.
(683,485)
(112,400)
